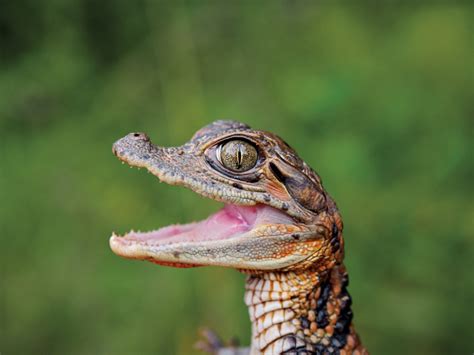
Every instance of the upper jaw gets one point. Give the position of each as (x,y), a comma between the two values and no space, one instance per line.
(177,166)
(186,166)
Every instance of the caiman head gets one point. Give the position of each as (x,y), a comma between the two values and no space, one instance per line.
(277,215)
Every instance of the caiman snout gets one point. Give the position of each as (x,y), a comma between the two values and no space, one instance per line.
(131,144)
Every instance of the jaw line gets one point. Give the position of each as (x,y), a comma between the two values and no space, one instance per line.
(258,237)
(236,252)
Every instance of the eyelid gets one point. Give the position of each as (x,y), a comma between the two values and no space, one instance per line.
(218,153)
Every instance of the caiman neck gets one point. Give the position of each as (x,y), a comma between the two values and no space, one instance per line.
(301,313)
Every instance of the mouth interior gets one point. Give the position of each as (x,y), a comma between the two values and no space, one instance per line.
(231,221)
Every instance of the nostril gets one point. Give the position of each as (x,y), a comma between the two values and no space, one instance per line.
(137,136)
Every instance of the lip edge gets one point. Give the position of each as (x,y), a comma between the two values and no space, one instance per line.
(178,255)
(166,235)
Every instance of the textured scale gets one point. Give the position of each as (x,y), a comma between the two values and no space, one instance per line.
(301,313)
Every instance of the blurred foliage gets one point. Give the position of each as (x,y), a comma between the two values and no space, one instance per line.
(378,98)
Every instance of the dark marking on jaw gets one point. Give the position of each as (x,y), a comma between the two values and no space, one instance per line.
(296,236)
(285,206)
(176,254)
(267,198)
(145,157)
(335,245)
(335,240)
(237,185)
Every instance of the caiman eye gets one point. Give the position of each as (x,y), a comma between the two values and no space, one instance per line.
(237,155)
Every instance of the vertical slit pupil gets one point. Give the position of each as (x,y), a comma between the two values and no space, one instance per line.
(239,156)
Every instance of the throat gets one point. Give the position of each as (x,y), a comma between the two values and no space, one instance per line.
(301,312)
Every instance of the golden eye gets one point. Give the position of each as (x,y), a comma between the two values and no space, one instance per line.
(237,155)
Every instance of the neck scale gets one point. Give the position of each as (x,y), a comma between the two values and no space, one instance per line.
(301,313)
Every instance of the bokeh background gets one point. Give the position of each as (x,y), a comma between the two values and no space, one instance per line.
(378,98)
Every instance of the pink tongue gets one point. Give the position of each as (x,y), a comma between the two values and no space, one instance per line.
(228,221)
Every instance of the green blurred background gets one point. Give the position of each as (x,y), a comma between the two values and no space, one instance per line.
(377,98)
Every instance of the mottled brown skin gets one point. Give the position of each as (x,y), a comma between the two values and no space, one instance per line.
(296,289)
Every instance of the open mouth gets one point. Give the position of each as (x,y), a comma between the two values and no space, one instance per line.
(232,221)
(254,230)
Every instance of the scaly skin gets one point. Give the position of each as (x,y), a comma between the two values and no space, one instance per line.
(296,288)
